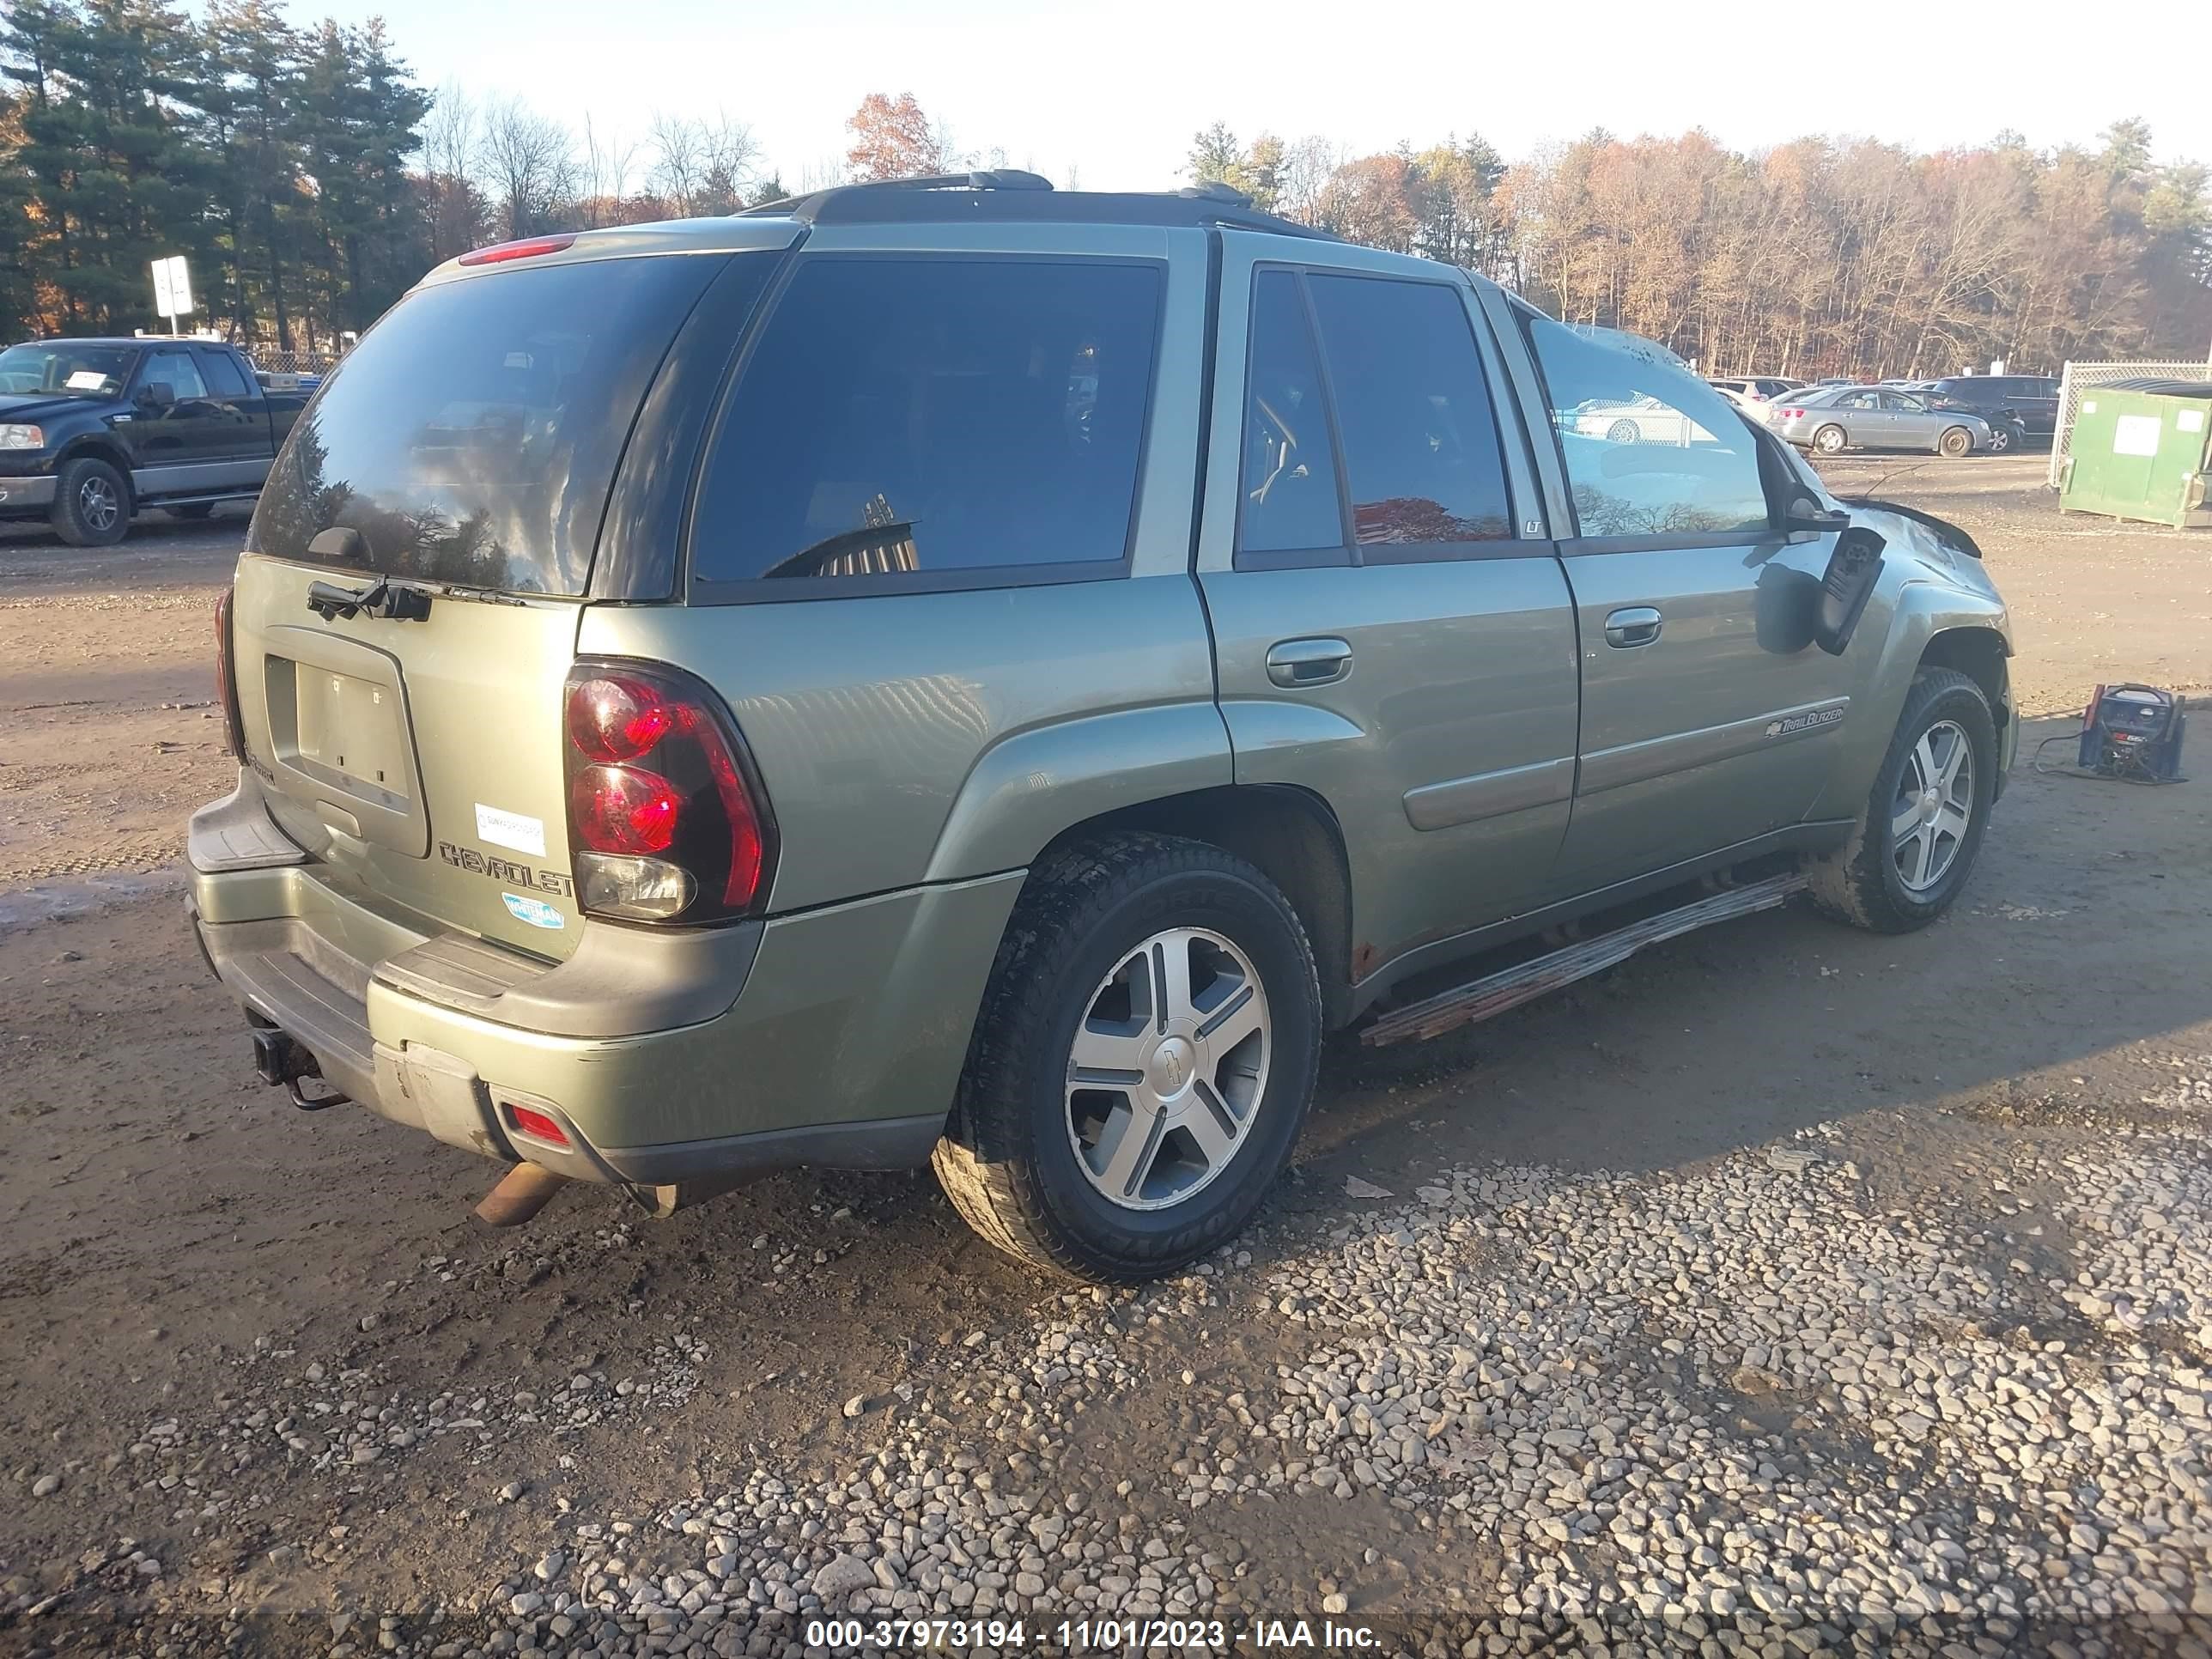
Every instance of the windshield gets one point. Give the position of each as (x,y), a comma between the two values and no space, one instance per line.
(471,436)
(64,369)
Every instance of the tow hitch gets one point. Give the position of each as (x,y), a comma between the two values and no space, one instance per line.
(282,1063)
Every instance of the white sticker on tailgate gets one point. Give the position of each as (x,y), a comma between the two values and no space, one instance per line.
(522,833)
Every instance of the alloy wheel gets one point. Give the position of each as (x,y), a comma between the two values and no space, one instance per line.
(1168,1068)
(1934,806)
(98,504)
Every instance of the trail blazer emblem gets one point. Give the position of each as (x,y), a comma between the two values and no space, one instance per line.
(1782,728)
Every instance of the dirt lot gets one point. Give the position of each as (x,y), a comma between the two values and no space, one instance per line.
(1785,1291)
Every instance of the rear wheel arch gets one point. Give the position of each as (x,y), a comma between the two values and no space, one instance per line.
(1289,835)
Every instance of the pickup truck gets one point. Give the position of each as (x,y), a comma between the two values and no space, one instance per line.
(92,430)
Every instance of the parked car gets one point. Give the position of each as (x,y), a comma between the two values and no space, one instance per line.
(972,675)
(2026,402)
(1638,420)
(1752,390)
(1874,417)
(91,430)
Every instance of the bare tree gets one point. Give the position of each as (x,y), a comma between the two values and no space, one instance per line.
(679,161)
(603,187)
(1302,175)
(529,164)
(726,152)
(455,205)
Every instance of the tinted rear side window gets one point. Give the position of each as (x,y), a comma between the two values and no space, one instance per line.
(934,415)
(1290,501)
(1412,412)
(471,436)
(222,375)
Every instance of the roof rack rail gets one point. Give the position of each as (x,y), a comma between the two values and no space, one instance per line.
(980,179)
(1011,194)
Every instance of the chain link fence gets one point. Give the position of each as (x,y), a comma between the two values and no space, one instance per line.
(270,361)
(2087,377)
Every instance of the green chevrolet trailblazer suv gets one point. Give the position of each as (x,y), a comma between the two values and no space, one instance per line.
(958,671)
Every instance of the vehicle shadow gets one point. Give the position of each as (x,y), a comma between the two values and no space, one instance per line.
(2080,932)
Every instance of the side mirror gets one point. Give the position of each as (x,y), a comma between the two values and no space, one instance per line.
(158,394)
(1806,513)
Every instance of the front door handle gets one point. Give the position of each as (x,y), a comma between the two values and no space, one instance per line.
(1309,662)
(1627,629)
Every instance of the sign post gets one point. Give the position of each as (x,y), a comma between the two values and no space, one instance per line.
(173,290)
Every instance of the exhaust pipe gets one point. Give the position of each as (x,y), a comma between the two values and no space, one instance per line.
(522,1192)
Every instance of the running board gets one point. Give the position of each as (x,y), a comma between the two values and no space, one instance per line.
(1509,987)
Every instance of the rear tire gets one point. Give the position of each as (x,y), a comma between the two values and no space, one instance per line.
(1830,441)
(1623,432)
(1191,1130)
(1908,856)
(1955,441)
(91,503)
(2002,437)
(190,512)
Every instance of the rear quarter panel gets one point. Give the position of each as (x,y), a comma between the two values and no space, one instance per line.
(911,737)
(935,737)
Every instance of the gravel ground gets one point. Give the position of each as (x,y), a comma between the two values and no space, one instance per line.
(1784,1292)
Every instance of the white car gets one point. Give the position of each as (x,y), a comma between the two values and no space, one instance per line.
(1643,420)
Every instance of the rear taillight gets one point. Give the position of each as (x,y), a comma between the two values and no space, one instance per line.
(667,819)
(1792,414)
(226,679)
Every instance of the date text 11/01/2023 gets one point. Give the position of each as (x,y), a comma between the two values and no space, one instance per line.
(1077,1636)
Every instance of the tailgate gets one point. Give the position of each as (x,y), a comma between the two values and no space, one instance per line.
(421,761)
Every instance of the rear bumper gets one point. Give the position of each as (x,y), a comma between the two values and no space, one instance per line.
(834,1038)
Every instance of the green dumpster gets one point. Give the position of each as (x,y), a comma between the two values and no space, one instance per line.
(2139,450)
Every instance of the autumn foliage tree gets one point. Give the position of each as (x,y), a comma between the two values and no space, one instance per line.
(1820,256)
(893,139)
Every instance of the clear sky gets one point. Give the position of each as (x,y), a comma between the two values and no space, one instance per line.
(1117,87)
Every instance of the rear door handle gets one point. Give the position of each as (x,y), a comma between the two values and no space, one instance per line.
(1635,625)
(1309,662)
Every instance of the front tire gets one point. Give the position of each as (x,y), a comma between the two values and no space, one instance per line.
(1916,841)
(91,503)
(1142,1060)
(1830,441)
(1955,442)
(1623,432)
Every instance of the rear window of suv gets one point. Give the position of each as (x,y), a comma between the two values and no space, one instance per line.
(471,436)
(932,417)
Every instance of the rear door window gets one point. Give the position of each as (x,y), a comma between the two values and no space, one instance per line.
(473,435)
(1290,500)
(934,415)
(1412,412)
(223,375)
(1649,449)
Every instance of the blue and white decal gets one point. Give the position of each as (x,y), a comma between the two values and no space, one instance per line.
(535,911)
